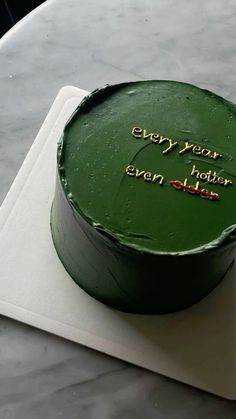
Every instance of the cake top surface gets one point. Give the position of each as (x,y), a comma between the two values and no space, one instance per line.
(152,164)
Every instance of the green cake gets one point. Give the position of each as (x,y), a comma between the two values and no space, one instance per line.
(144,211)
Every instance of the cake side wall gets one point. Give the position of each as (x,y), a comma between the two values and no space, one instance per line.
(127,279)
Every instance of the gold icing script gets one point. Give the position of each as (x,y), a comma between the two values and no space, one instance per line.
(169,145)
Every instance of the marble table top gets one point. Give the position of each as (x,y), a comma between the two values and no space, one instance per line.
(87,44)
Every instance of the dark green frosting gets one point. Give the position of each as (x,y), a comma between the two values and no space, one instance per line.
(141,225)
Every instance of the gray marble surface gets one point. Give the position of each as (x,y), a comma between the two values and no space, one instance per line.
(87,44)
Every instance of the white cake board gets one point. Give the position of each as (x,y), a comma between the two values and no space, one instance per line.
(195,346)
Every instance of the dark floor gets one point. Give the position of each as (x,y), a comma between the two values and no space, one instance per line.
(13,10)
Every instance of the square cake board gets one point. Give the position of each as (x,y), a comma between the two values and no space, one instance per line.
(195,346)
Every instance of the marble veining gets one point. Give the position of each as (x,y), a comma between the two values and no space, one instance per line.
(88,44)
(45,376)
